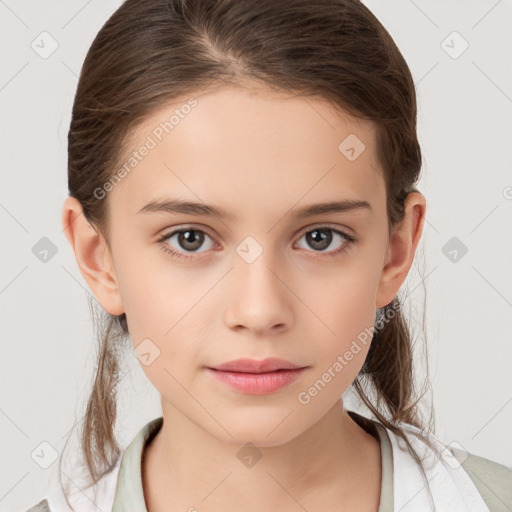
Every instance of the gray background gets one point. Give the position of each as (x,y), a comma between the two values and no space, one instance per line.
(465,128)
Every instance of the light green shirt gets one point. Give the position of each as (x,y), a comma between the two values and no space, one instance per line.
(493,480)
(477,484)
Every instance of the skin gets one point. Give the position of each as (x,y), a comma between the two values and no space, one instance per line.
(260,156)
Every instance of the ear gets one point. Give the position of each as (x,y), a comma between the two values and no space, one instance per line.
(402,246)
(92,255)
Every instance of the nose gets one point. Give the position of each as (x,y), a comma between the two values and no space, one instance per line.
(260,298)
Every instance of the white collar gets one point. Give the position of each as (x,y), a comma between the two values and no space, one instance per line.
(452,488)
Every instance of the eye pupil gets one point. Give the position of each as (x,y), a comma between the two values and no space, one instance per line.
(191,236)
(323,237)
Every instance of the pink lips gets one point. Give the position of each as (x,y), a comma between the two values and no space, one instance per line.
(257,377)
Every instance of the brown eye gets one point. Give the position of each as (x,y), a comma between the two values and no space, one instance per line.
(185,240)
(321,238)
(191,239)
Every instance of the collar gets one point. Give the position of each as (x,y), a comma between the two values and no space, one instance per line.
(129,495)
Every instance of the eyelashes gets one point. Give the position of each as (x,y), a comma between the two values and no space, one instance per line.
(183,234)
(194,236)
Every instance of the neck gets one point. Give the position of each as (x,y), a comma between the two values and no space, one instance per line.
(186,466)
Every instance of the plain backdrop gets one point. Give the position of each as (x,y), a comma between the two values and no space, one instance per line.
(459,56)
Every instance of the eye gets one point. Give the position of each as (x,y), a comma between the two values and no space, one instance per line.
(322,237)
(188,240)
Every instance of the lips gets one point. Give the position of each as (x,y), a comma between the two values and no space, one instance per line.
(253,377)
(270,364)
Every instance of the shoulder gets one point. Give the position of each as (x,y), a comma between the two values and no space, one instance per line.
(42,506)
(481,482)
(492,479)
(82,499)
(103,494)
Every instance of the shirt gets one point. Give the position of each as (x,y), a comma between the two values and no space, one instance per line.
(459,481)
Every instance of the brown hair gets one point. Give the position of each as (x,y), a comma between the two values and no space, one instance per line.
(152,51)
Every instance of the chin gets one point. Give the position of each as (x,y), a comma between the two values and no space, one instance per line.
(258,428)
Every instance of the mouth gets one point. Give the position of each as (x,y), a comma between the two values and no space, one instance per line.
(271,364)
(255,377)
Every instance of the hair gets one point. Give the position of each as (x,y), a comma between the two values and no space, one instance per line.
(150,52)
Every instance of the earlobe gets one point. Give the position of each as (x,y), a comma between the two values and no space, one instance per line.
(402,247)
(92,255)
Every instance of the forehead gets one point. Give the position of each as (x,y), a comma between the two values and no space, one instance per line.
(254,149)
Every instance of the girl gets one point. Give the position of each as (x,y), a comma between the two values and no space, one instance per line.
(243,206)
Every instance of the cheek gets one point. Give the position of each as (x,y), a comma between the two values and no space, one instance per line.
(166,305)
(345,304)
(154,294)
(344,299)
(340,354)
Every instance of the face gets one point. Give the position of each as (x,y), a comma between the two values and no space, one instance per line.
(266,275)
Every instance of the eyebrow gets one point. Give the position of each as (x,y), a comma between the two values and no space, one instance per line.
(193,208)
